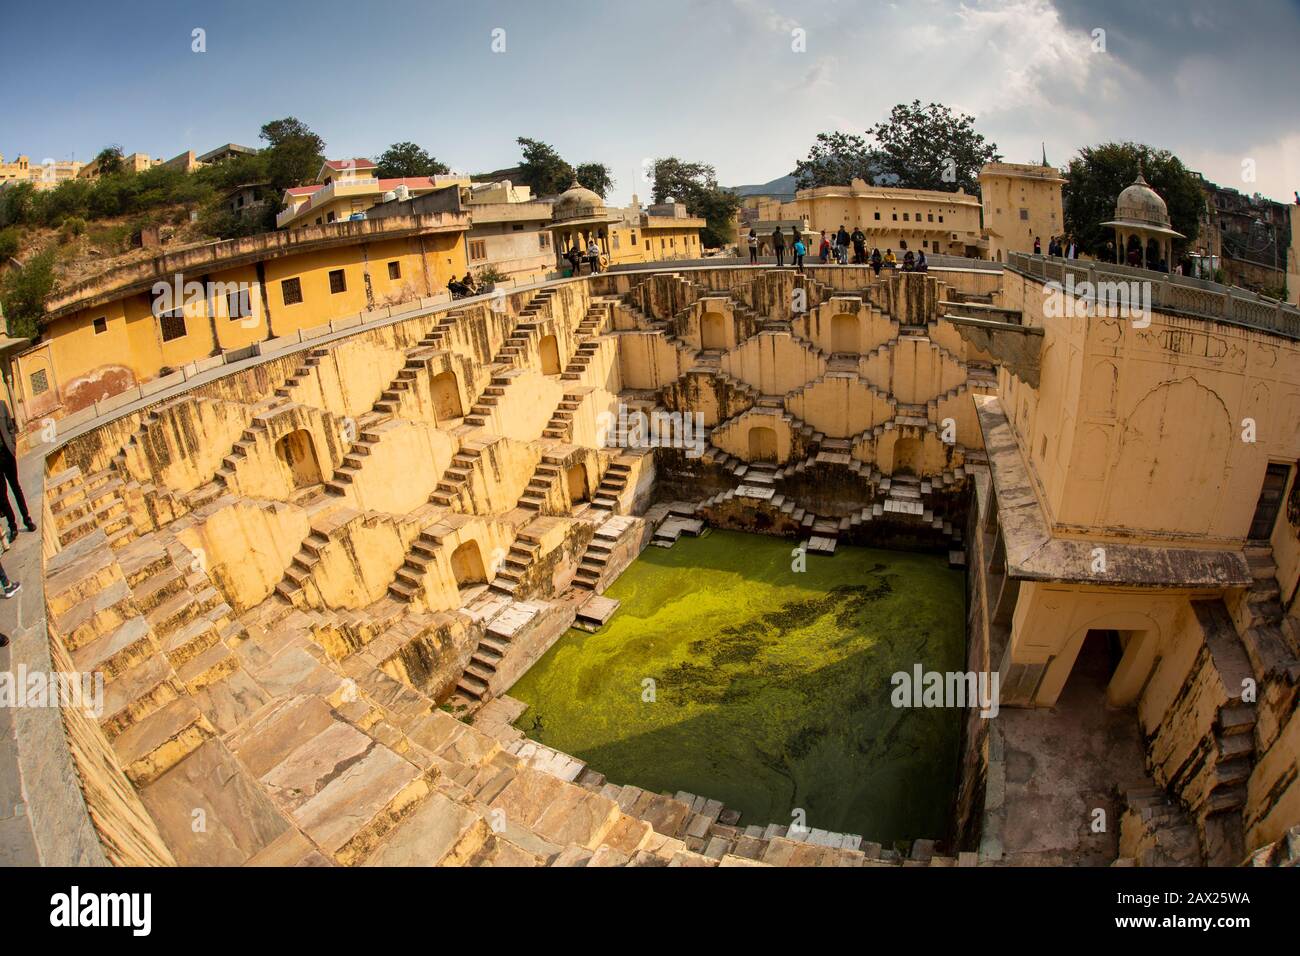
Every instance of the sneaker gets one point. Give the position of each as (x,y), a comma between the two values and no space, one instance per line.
(10,589)
(30,526)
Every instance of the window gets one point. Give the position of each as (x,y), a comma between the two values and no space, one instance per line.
(543,240)
(40,383)
(1024,214)
(394,270)
(517,227)
(647,245)
(338,283)
(238,305)
(101,325)
(173,325)
(478,249)
(616,240)
(930,217)
(318,220)
(329,217)
(895,215)
(905,219)
(291,291)
(634,238)
(877,217)
(941,218)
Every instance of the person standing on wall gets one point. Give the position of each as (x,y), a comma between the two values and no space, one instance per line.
(778,246)
(9,469)
(799,250)
(593,255)
(859,246)
(842,246)
(753,247)
(824,249)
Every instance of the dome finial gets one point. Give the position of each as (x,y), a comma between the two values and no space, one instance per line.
(1141,179)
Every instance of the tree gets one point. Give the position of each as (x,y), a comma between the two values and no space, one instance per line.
(596,177)
(696,185)
(931,147)
(1099,174)
(836,159)
(294,152)
(543,170)
(407,159)
(108,161)
(23,293)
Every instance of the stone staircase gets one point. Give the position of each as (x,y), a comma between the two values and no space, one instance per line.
(594,563)
(309,362)
(484,409)
(612,484)
(523,552)
(1154,831)
(356,455)
(581,359)
(82,504)
(545,492)
(455,479)
(560,427)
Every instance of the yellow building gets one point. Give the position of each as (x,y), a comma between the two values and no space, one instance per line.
(628,235)
(345,188)
(131,163)
(143,320)
(897,219)
(46,175)
(1022,202)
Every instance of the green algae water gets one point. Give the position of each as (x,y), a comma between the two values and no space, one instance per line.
(771,687)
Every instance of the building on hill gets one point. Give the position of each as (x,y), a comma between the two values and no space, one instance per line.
(628,235)
(897,219)
(131,163)
(225,152)
(1021,203)
(346,188)
(1247,238)
(43,176)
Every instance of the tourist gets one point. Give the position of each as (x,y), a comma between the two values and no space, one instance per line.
(859,246)
(876,261)
(593,255)
(1053,249)
(753,247)
(575,260)
(9,470)
(7,590)
(1070,250)
(842,246)
(795,236)
(798,251)
(471,286)
(456,288)
(891,260)
(778,247)
(1038,246)
(824,249)
(908,260)
(921,264)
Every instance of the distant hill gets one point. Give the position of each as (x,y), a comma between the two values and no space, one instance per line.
(781,186)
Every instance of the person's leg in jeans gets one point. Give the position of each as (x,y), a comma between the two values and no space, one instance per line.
(8,588)
(9,469)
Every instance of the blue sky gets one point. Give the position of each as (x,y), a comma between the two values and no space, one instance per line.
(618,82)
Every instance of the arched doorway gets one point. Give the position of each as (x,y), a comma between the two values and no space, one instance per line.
(297,453)
(762,443)
(549,350)
(576,479)
(467,565)
(446,396)
(907,456)
(713,332)
(844,333)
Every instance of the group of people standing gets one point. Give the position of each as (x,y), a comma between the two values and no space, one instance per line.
(1060,247)
(575,256)
(835,246)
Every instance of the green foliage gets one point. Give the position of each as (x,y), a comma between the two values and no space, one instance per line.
(72,227)
(10,241)
(294,153)
(1099,174)
(543,170)
(696,185)
(596,177)
(489,276)
(408,159)
(916,147)
(108,161)
(23,292)
(836,159)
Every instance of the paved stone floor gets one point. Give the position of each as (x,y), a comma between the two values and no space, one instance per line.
(1057,766)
